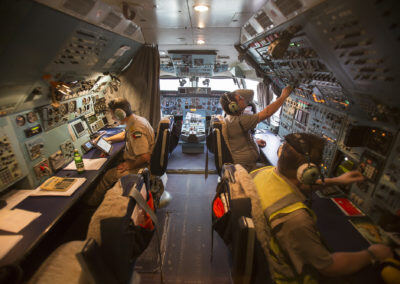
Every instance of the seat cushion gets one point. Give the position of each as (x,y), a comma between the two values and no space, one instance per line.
(61,266)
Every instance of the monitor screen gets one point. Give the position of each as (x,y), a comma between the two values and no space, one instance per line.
(79,128)
(88,145)
(104,145)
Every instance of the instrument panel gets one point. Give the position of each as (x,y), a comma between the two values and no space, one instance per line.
(180,105)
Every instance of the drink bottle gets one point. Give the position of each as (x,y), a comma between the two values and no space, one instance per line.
(80,167)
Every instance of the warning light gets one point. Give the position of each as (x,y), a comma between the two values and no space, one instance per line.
(383,134)
(373,130)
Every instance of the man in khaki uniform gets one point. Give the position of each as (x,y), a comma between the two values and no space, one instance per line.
(244,149)
(139,142)
(294,248)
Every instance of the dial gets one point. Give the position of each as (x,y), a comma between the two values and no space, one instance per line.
(20,120)
(71,106)
(31,117)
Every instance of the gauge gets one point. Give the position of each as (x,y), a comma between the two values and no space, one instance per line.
(20,120)
(31,117)
(88,99)
(63,109)
(84,101)
(71,106)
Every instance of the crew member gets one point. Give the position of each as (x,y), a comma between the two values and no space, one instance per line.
(244,149)
(293,246)
(139,142)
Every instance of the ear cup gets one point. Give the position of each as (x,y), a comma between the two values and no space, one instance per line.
(233,107)
(119,114)
(308,173)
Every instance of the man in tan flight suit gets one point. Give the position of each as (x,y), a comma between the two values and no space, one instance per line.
(139,142)
(244,148)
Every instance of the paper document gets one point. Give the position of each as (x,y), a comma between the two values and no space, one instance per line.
(17,219)
(7,242)
(90,164)
(15,197)
(39,192)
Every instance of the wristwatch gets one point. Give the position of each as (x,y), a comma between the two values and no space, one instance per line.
(373,257)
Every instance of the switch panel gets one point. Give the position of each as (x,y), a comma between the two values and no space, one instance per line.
(9,168)
(34,148)
(42,169)
(67,149)
(57,160)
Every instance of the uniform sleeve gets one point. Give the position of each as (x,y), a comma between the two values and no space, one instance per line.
(248,121)
(300,239)
(139,142)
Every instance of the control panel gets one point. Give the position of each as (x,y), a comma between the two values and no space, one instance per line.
(9,167)
(69,110)
(180,105)
(67,149)
(299,114)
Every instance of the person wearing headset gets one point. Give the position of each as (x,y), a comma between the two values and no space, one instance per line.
(139,142)
(243,147)
(293,247)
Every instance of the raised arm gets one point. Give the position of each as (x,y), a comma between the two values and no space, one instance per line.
(273,107)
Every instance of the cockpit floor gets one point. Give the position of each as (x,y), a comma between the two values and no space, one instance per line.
(186,236)
(183,161)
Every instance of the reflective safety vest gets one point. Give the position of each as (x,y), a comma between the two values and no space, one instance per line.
(278,200)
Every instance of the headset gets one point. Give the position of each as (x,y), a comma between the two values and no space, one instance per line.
(117,107)
(119,114)
(307,173)
(233,106)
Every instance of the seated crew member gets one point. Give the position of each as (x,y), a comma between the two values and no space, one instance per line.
(295,251)
(243,147)
(139,142)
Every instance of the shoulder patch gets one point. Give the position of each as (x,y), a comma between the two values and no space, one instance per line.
(136,134)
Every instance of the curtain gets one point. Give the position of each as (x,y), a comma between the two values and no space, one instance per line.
(140,84)
(264,95)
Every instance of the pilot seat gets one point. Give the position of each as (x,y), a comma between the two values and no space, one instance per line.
(159,163)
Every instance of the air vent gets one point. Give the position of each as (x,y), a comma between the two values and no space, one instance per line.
(111,20)
(82,7)
(130,30)
(263,20)
(287,7)
(250,30)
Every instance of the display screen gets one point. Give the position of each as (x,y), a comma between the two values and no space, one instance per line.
(104,145)
(79,127)
(88,145)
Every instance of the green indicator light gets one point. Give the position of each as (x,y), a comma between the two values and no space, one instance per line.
(292,44)
(347,102)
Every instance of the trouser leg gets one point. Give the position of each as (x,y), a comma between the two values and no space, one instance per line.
(107,181)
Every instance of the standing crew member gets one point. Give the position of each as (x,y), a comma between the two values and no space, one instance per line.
(139,142)
(294,248)
(244,149)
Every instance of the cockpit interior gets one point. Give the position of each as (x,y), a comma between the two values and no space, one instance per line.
(176,214)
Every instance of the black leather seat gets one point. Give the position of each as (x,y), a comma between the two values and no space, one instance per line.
(175,132)
(217,145)
(249,263)
(159,157)
(159,162)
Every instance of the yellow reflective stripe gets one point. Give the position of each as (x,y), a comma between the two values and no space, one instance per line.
(256,170)
(289,209)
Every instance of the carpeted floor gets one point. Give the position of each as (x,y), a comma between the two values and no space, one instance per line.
(186,236)
(179,160)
